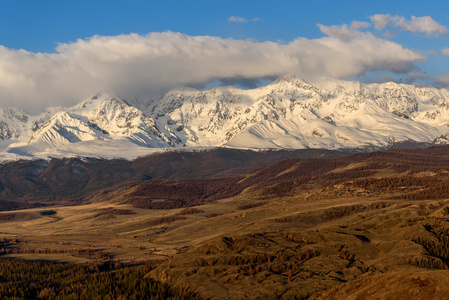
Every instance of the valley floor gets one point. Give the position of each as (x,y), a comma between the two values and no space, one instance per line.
(297,246)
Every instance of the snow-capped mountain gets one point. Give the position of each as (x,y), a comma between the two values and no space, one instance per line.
(288,113)
(16,125)
(102,126)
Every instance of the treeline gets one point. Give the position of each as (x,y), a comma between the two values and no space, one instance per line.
(349,175)
(414,160)
(20,279)
(332,213)
(284,188)
(190,211)
(87,253)
(438,249)
(287,263)
(394,182)
(408,187)
(169,194)
(438,190)
(250,205)
(290,170)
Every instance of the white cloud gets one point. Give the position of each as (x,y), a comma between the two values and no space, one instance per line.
(342,32)
(134,65)
(357,24)
(380,21)
(445,51)
(237,19)
(425,24)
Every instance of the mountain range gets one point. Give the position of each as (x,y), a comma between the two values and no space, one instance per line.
(285,114)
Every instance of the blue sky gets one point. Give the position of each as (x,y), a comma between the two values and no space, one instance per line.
(136,48)
(40,25)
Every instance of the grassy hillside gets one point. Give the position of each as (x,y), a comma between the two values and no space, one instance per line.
(71,181)
(307,228)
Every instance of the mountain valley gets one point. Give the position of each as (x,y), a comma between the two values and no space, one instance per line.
(286,191)
(325,226)
(224,150)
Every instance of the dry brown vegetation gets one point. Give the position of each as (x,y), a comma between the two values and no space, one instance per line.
(71,181)
(328,228)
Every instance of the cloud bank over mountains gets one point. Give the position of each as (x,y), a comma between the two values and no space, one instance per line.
(138,66)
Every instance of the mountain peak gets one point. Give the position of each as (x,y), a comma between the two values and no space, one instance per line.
(291,78)
(289,82)
(98,98)
(105,94)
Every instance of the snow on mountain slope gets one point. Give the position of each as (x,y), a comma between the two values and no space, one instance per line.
(12,123)
(287,113)
(115,118)
(18,126)
(102,120)
(290,113)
